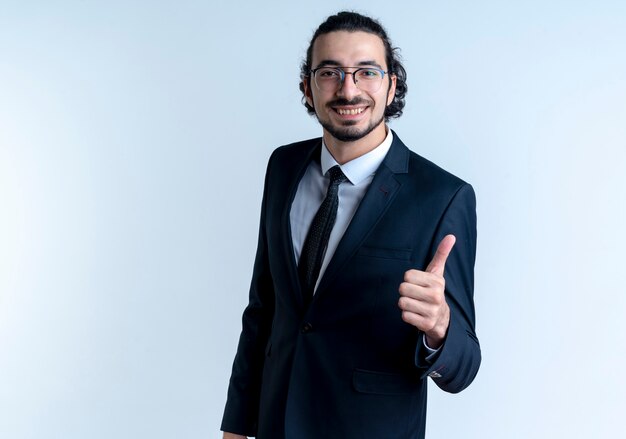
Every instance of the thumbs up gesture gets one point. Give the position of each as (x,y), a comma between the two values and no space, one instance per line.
(422,298)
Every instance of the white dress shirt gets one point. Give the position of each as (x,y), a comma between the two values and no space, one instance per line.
(312,191)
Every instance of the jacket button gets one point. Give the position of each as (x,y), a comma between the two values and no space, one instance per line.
(306,327)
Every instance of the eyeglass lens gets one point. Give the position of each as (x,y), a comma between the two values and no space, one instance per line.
(330,78)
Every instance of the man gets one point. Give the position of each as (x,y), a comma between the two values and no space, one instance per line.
(363,280)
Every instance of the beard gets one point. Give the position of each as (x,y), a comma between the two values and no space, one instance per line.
(347,132)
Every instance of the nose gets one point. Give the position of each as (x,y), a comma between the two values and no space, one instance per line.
(348,88)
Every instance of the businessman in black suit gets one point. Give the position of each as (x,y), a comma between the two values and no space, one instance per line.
(363,281)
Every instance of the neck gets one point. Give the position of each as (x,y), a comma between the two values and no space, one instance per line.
(343,152)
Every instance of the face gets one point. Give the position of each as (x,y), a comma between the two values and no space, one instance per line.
(350,114)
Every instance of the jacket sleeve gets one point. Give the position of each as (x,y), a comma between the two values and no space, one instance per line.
(242,405)
(456,364)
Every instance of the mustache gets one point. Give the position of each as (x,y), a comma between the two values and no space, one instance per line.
(345,102)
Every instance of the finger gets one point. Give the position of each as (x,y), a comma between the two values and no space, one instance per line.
(426,295)
(438,263)
(420,322)
(423,278)
(418,307)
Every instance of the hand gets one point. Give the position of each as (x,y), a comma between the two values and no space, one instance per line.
(233,436)
(422,298)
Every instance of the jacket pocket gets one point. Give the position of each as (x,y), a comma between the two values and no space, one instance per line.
(403,254)
(383,383)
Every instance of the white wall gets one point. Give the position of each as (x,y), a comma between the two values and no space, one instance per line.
(126,245)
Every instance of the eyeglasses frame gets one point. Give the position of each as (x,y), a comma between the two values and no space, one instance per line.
(344,73)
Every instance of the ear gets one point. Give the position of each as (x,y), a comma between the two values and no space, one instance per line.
(307,91)
(391,93)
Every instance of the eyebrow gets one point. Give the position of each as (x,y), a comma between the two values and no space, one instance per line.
(331,62)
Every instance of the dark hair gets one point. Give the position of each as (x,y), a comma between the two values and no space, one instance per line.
(354,22)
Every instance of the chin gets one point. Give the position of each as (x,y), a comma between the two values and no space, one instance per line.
(349,132)
(349,135)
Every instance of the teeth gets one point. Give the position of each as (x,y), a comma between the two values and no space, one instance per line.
(352,111)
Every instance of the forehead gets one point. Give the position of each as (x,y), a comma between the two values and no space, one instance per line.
(348,48)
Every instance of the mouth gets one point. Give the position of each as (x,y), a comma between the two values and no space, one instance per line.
(349,111)
(346,111)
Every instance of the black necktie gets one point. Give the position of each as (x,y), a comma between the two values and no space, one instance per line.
(317,239)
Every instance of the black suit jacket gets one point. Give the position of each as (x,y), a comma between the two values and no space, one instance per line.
(348,366)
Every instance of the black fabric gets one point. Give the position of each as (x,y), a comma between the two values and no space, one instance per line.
(347,366)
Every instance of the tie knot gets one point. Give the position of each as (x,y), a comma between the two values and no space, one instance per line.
(336,175)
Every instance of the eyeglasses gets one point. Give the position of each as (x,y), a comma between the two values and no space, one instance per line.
(330,79)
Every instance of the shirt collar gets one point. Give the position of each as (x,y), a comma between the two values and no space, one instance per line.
(361,167)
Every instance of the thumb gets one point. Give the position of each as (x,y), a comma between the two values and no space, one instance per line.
(438,263)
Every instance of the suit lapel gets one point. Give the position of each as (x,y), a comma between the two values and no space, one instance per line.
(377,199)
(292,188)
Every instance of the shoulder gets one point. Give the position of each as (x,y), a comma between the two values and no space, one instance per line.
(296,151)
(422,172)
(444,187)
(434,186)
(287,162)
(429,172)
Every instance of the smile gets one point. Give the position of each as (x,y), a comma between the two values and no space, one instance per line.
(349,111)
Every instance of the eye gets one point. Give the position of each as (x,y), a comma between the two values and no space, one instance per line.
(369,74)
(328,73)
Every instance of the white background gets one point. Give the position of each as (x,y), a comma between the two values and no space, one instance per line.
(133,143)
